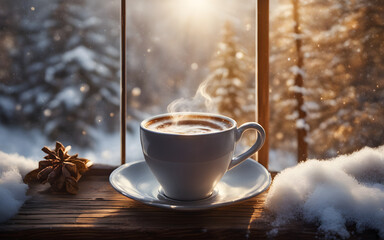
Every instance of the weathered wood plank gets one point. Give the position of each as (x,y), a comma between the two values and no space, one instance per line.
(98,211)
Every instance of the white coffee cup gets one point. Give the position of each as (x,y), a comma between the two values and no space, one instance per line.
(190,152)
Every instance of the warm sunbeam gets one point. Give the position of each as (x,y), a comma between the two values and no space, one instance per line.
(198,20)
(193,16)
(194,9)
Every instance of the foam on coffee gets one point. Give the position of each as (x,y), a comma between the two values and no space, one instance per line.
(188,125)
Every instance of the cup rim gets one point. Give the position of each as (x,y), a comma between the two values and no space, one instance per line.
(232,121)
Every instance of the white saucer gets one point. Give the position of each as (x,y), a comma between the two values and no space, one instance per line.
(136,181)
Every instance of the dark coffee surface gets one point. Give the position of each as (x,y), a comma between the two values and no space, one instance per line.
(187,125)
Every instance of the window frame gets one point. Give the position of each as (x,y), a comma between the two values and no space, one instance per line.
(261,78)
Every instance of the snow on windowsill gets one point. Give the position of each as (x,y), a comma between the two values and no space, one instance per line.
(13,168)
(335,193)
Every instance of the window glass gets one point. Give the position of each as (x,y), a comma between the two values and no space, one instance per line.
(60,69)
(339,59)
(59,77)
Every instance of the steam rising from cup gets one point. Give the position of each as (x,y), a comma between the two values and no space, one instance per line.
(201,102)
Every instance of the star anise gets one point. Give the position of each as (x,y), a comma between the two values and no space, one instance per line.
(61,170)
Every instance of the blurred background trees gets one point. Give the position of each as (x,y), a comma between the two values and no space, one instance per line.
(64,70)
(343,80)
(228,84)
(59,67)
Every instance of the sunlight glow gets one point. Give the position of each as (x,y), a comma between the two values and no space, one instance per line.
(194,8)
(192,12)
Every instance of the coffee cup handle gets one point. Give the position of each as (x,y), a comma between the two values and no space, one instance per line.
(255,147)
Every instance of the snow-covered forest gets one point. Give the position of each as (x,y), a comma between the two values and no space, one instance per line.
(60,79)
(341,54)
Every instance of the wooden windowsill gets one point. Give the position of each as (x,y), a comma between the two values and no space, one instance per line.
(98,211)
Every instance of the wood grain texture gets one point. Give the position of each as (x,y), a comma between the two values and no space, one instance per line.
(98,211)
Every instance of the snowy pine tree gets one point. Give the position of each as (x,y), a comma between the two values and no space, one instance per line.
(298,89)
(347,44)
(228,84)
(9,78)
(71,60)
(343,93)
(283,114)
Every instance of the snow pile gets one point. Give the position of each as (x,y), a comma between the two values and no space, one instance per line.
(12,189)
(345,190)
